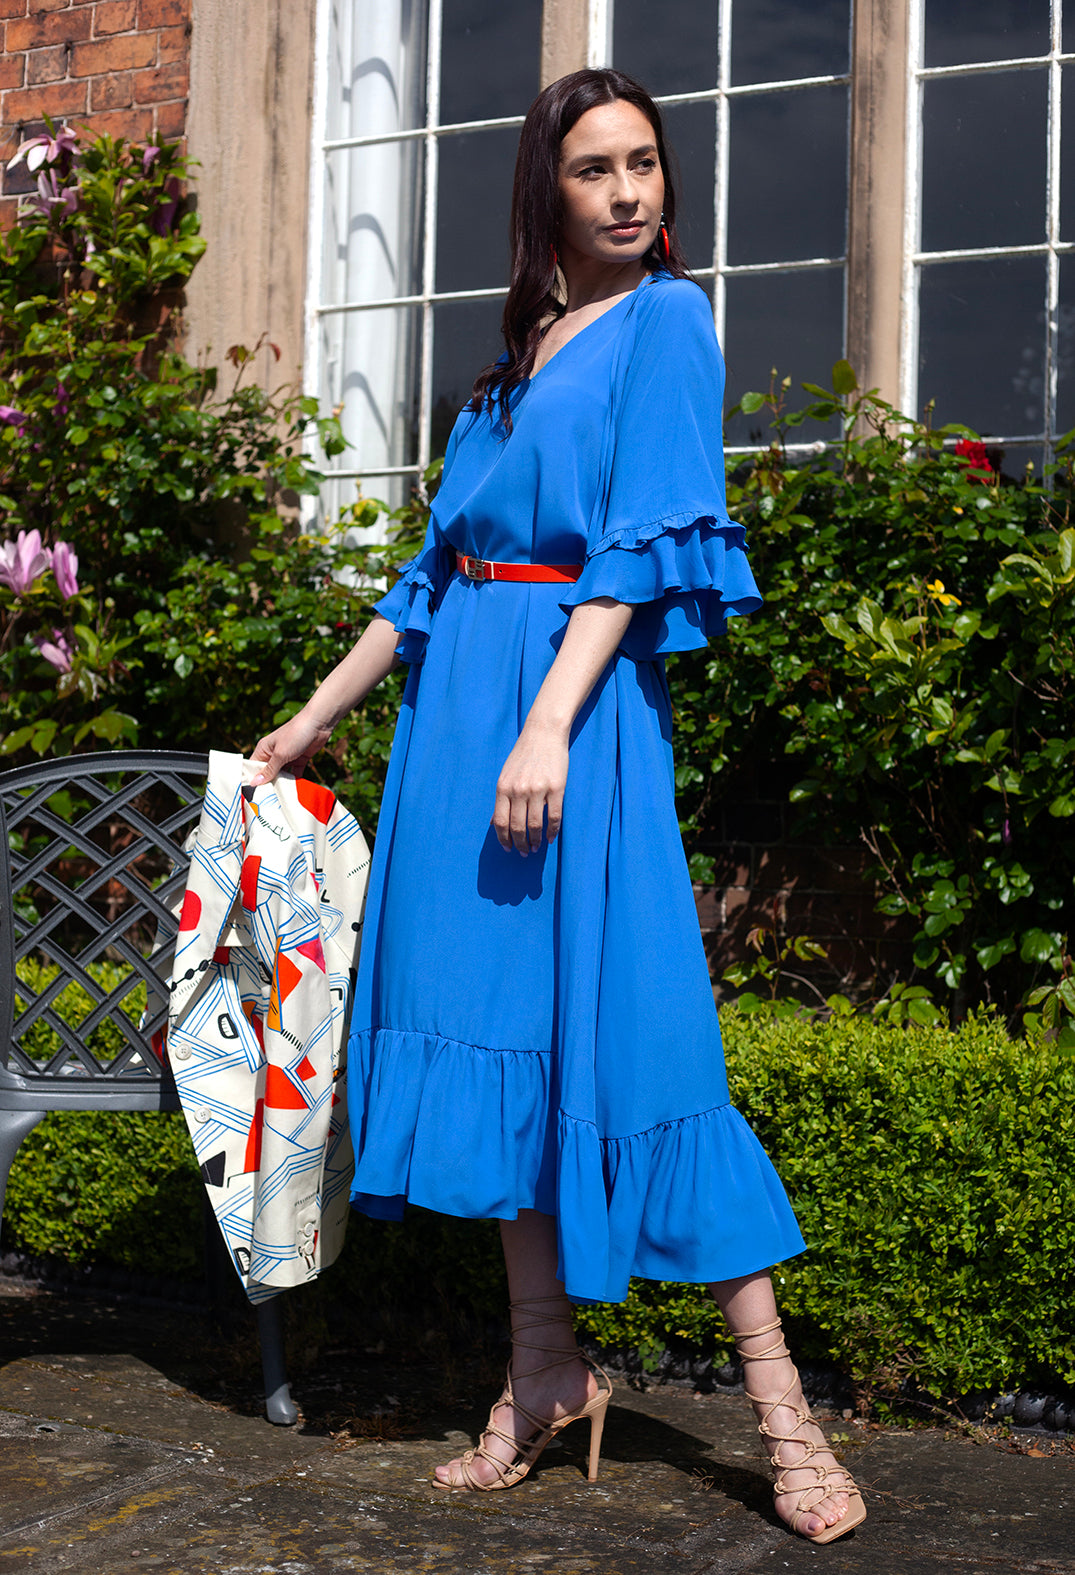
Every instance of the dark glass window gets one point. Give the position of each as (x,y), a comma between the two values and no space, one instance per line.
(982,343)
(791,321)
(780,40)
(984,160)
(1067,150)
(788,175)
(466,337)
(490,59)
(670,46)
(1065,359)
(473,208)
(961,31)
(692,132)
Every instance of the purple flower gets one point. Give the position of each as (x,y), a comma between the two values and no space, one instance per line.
(51,195)
(57,650)
(63,402)
(10,417)
(149,158)
(1006,834)
(49,148)
(23,561)
(165,215)
(65,569)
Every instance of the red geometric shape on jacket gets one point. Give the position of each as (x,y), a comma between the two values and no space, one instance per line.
(285,977)
(252,1157)
(222,955)
(320,801)
(191,911)
(156,1044)
(280,1091)
(248,882)
(305,1068)
(314,951)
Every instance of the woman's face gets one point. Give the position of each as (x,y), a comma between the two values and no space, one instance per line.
(611,186)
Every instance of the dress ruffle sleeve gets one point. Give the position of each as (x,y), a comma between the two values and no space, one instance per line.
(410,604)
(660,537)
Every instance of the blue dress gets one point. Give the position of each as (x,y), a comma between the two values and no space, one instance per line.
(540,1033)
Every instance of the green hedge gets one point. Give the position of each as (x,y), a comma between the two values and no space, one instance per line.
(930,1171)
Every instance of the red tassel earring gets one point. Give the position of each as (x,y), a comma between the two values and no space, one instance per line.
(663,236)
(555,259)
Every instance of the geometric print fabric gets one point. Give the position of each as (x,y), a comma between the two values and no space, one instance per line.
(260,996)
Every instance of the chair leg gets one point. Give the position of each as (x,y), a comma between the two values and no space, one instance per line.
(14,1125)
(279,1406)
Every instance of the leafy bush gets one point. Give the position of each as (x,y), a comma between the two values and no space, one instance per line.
(917,655)
(928,1169)
(73,1005)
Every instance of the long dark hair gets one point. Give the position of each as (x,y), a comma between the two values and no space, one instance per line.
(536,215)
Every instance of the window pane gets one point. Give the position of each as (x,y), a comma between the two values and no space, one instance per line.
(692,131)
(466,337)
(473,208)
(490,58)
(960,31)
(1067,150)
(1065,382)
(788,176)
(376,68)
(983,175)
(779,40)
(982,344)
(373,222)
(793,321)
(670,46)
(365,369)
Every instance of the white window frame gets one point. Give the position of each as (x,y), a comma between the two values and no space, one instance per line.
(1052,248)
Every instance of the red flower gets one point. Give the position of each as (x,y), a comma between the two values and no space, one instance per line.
(974,459)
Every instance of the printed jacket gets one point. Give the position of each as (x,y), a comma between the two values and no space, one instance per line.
(259,1002)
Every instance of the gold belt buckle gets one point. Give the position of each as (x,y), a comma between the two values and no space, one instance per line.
(474,568)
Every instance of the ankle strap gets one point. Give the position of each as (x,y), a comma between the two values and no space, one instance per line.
(533,1310)
(771,1352)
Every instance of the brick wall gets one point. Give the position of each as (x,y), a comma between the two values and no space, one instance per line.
(120,66)
(763,878)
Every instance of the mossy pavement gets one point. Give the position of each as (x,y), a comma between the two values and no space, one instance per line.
(131,1438)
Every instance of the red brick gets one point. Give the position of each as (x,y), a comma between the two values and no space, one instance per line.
(58,98)
(48,5)
(134,124)
(111,92)
(163,13)
(14,7)
(114,16)
(171,121)
(44,28)
(46,65)
(12,70)
(168,82)
(125,53)
(173,43)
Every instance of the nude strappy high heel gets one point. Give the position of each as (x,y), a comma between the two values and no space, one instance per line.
(528,1450)
(826,1482)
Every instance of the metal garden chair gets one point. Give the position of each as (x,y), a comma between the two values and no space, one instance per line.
(95,864)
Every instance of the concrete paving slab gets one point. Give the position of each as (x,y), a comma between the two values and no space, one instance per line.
(130,1438)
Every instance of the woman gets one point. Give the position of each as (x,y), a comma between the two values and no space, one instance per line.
(533,1038)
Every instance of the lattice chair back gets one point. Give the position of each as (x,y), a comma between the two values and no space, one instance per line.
(95,864)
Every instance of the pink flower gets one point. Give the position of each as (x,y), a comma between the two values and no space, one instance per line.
(23,561)
(149,158)
(57,651)
(65,568)
(10,417)
(59,146)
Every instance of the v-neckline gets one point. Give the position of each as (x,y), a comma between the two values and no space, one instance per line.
(587,326)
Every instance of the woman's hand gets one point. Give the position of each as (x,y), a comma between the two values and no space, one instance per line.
(530,786)
(291,747)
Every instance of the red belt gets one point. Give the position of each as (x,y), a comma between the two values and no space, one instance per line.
(486,569)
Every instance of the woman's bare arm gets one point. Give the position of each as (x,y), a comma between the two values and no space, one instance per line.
(369,660)
(535,773)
